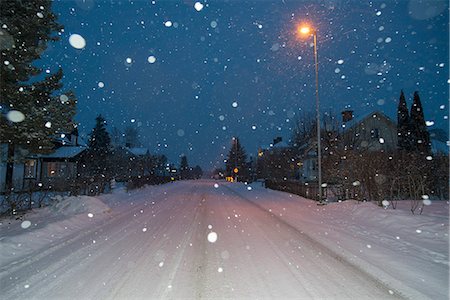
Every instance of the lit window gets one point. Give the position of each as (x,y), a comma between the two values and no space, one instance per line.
(52,169)
(30,168)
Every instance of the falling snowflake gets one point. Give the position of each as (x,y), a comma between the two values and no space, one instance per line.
(25,224)
(212,237)
(15,116)
(198,6)
(63,98)
(77,41)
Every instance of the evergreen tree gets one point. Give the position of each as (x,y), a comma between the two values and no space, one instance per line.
(99,150)
(419,133)
(184,168)
(99,140)
(31,115)
(403,124)
(237,161)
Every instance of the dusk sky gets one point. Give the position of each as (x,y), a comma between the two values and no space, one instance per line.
(190,79)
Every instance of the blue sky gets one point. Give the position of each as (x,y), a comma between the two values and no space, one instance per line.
(236,68)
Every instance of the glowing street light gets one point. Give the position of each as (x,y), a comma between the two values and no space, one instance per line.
(307,30)
(304,29)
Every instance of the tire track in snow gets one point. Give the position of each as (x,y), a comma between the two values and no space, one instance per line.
(61,252)
(322,248)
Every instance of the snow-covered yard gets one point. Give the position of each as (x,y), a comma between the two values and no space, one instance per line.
(211,239)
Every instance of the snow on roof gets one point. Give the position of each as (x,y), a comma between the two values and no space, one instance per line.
(139,151)
(64,152)
(279,145)
(361,118)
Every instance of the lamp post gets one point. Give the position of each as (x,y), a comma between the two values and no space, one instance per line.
(306,30)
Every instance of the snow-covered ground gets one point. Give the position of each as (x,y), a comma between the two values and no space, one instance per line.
(211,239)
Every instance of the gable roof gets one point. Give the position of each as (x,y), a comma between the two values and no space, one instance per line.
(139,151)
(362,118)
(64,152)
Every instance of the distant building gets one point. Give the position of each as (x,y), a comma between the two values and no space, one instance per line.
(276,161)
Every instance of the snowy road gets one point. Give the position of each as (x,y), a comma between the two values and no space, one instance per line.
(156,246)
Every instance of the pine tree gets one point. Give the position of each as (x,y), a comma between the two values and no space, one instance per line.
(99,140)
(27,26)
(403,124)
(419,133)
(236,164)
(184,168)
(99,150)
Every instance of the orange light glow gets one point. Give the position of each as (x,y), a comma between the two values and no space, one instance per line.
(304,30)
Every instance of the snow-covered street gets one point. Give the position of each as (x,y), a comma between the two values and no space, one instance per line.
(208,240)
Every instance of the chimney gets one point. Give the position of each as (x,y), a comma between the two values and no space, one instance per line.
(74,136)
(347,115)
(277,140)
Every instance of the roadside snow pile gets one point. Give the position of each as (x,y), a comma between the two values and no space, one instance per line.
(77,205)
(42,228)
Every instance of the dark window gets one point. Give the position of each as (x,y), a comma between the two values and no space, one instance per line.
(374,133)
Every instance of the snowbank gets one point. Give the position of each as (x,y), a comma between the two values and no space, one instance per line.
(42,228)
(71,206)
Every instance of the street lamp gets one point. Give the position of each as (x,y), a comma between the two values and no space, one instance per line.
(307,30)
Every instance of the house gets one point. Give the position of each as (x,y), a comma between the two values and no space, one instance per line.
(370,132)
(54,169)
(130,162)
(276,161)
(308,163)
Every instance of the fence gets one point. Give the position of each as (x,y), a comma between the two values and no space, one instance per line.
(311,191)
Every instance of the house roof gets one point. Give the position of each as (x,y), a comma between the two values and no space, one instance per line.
(362,118)
(64,152)
(139,151)
(279,145)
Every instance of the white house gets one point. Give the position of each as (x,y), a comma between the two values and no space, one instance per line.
(370,132)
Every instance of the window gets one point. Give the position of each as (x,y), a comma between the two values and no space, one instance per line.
(52,169)
(374,133)
(30,168)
